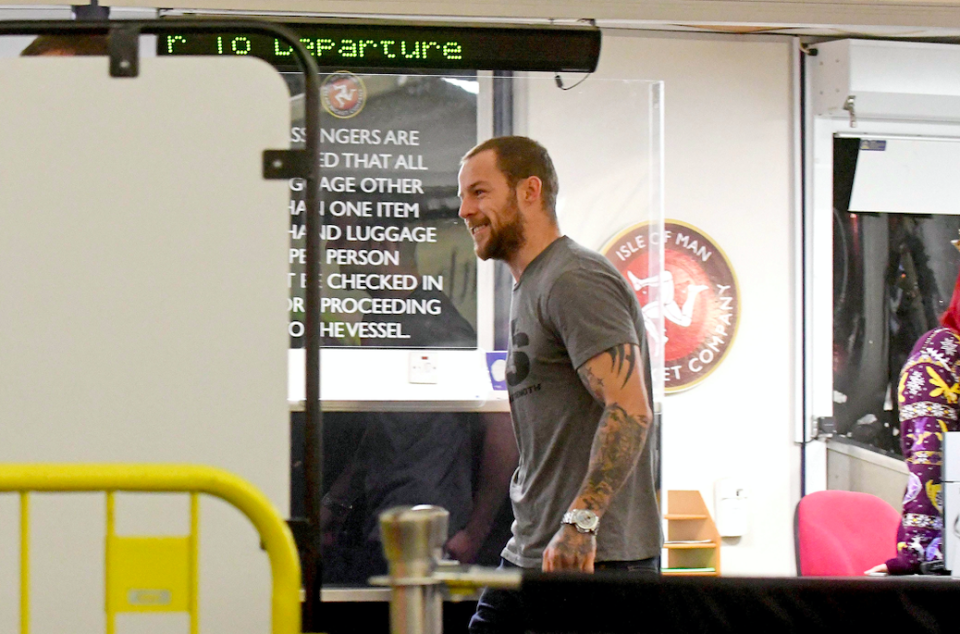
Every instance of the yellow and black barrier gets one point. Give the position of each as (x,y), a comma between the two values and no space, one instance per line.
(159,574)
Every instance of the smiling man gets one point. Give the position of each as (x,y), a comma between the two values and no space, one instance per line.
(583,494)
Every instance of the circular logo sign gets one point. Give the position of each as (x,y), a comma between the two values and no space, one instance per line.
(700,306)
(343,94)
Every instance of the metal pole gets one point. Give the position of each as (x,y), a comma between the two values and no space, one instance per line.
(413,539)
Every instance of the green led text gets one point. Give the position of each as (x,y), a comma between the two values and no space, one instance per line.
(173,39)
(370,49)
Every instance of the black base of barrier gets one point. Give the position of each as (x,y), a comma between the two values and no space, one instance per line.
(610,602)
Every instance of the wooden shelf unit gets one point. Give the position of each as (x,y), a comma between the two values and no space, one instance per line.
(688,520)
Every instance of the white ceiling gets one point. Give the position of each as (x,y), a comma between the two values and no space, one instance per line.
(901,19)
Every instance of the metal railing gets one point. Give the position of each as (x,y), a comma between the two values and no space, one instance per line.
(413,539)
(178,581)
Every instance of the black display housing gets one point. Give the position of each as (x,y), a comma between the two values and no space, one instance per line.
(406,46)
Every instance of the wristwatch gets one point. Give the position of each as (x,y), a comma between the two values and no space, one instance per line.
(583,520)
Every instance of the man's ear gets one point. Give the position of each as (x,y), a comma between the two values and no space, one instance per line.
(529,190)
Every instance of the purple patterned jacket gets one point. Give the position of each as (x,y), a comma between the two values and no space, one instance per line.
(927,396)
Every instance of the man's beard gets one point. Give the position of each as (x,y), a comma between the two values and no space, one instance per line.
(509,238)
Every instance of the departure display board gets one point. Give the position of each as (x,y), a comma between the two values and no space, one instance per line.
(338,45)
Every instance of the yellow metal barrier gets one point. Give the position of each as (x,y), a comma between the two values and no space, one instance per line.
(131,562)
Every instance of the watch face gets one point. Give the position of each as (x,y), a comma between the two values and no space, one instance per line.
(587,520)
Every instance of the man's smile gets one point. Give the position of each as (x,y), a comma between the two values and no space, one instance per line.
(476,228)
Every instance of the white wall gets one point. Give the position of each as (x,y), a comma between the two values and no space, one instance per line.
(728,171)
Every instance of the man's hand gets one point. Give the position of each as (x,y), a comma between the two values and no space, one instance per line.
(570,550)
(463,547)
(498,461)
(876,571)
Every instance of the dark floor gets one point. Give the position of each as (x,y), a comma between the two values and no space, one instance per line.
(361,618)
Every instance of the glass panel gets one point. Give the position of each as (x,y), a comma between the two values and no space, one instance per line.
(605,139)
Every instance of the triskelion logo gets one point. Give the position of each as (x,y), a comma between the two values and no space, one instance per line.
(343,94)
(701,302)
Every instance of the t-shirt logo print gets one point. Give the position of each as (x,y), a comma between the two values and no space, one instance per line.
(518,364)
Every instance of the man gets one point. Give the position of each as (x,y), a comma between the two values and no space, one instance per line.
(583,493)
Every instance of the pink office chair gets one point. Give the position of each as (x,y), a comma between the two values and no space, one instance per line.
(843,533)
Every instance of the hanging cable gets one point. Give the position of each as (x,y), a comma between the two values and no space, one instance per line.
(559,81)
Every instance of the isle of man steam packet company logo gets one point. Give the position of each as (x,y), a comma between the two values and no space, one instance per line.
(701,301)
(343,94)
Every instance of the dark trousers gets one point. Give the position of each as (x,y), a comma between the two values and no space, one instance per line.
(503,612)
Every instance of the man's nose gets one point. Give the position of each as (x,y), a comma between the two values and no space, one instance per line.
(466,210)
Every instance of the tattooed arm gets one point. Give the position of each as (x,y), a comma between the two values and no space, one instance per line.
(615,378)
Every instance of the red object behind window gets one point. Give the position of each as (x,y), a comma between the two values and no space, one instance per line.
(843,533)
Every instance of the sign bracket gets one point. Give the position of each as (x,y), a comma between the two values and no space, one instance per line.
(124,47)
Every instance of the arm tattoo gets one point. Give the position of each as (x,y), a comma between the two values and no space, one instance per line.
(616,448)
(592,382)
(620,354)
(576,551)
(622,430)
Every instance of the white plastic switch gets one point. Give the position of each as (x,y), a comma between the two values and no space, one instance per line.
(423,367)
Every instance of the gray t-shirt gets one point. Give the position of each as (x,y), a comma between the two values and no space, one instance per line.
(570,305)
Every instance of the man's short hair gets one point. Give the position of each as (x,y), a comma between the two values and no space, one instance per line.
(67,45)
(519,157)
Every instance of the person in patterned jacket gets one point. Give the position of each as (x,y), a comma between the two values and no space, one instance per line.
(927,395)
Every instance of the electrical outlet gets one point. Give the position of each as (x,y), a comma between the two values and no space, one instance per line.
(423,367)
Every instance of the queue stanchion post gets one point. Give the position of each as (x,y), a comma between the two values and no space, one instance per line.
(413,539)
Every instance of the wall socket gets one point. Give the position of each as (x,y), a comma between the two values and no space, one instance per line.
(423,367)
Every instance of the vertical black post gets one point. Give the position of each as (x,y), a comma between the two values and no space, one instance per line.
(313,424)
